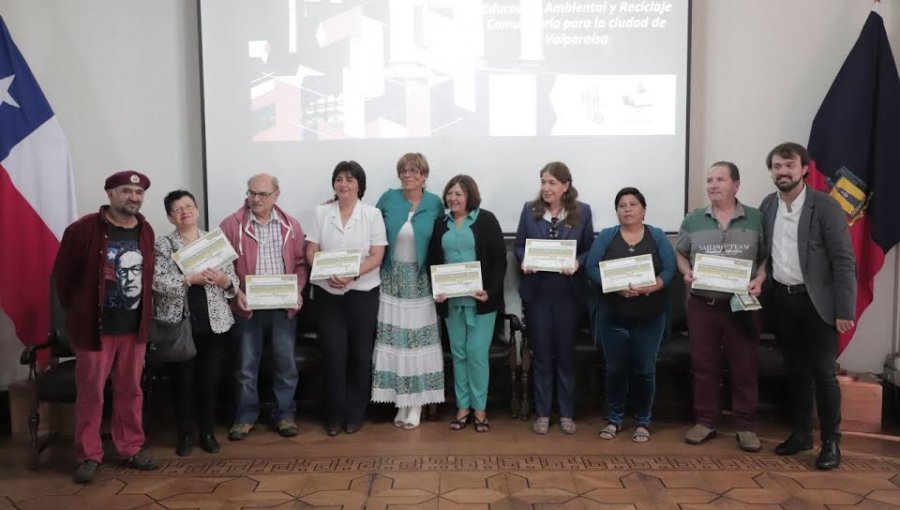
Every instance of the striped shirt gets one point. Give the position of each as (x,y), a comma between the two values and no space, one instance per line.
(269,259)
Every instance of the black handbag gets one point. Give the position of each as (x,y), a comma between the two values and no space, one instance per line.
(172,341)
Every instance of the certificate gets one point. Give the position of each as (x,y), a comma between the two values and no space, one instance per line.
(212,250)
(271,291)
(721,274)
(335,263)
(619,274)
(552,255)
(454,280)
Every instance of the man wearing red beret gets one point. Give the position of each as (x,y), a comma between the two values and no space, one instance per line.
(103,274)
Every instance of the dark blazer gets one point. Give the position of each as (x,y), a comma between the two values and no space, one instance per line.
(489,250)
(539,228)
(826,253)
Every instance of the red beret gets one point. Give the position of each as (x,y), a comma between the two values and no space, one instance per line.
(126,177)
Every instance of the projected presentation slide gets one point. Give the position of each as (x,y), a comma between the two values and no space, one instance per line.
(494,89)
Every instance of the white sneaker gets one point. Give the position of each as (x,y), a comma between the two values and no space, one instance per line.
(400,419)
(413,417)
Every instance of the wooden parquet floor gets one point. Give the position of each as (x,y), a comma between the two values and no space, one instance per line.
(435,468)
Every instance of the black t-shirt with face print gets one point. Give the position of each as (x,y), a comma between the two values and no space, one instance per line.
(123,274)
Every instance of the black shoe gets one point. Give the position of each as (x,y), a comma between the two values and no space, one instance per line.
(352,428)
(86,471)
(332,430)
(208,443)
(185,445)
(141,461)
(794,444)
(829,455)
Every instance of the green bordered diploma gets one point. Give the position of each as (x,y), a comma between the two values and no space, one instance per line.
(721,274)
(271,291)
(212,250)
(343,263)
(454,280)
(618,274)
(552,255)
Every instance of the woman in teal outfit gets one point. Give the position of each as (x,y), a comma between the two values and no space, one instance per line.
(468,233)
(408,363)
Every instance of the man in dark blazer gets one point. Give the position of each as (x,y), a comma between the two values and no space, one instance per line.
(811,295)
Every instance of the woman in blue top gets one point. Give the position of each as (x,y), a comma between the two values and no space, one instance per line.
(631,322)
(468,233)
(408,361)
(553,302)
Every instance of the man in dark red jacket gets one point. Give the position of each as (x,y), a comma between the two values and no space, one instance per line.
(104,273)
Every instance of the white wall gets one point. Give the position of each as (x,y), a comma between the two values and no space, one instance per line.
(123,78)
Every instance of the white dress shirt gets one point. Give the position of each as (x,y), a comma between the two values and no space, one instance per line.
(364,229)
(785,251)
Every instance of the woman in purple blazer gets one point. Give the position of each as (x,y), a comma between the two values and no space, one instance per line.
(553,302)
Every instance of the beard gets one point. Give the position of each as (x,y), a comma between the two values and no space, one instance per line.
(787,186)
(128,209)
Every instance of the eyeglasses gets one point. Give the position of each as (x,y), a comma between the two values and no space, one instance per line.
(261,194)
(125,272)
(553,233)
(410,171)
(184,208)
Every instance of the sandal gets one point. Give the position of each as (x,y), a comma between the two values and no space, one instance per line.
(460,423)
(610,430)
(641,434)
(413,418)
(541,425)
(400,419)
(567,425)
(482,425)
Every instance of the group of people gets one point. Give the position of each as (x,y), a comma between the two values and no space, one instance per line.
(380,330)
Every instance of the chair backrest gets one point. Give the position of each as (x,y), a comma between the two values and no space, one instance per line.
(678,294)
(60,342)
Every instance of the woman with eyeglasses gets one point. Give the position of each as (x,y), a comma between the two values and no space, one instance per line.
(195,382)
(630,323)
(347,307)
(408,361)
(468,233)
(554,302)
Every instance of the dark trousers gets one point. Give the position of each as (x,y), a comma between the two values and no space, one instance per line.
(809,346)
(714,328)
(552,318)
(630,349)
(195,384)
(347,335)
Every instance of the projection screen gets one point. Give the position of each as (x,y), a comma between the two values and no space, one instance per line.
(490,88)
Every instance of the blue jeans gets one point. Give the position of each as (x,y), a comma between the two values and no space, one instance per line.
(284,370)
(630,351)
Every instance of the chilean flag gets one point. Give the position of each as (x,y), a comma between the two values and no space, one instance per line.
(855,147)
(37,194)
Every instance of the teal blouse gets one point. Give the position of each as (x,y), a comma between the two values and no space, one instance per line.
(395,209)
(459,246)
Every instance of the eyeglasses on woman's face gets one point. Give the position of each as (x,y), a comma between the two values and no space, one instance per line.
(183,208)
(410,171)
